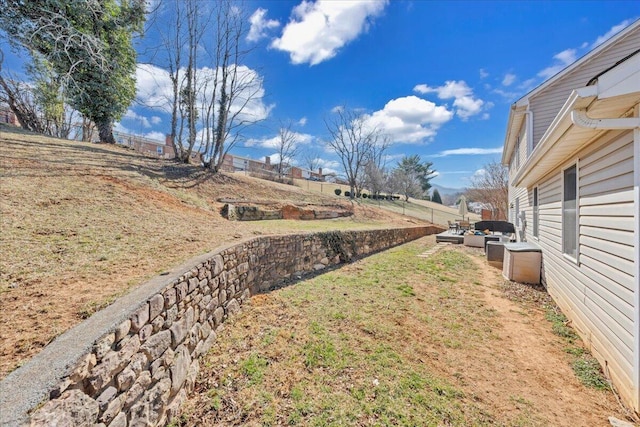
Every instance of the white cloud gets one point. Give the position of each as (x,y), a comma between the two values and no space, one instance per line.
(467,106)
(483,73)
(508,79)
(337,109)
(133,116)
(409,119)
(274,142)
(260,25)
(328,166)
(468,151)
(563,59)
(613,31)
(154,90)
(275,159)
(479,173)
(302,121)
(464,101)
(158,136)
(155,120)
(317,30)
(154,135)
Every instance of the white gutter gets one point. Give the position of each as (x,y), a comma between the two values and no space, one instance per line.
(581,119)
(577,100)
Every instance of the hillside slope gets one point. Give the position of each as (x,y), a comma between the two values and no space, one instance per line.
(80,224)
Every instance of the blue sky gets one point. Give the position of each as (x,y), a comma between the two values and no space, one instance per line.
(437,77)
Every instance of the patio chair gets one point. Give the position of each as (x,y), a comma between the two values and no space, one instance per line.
(464,225)
(453,226)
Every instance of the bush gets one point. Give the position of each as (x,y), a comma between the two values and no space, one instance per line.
(365,195)
(347,194)
(337,191)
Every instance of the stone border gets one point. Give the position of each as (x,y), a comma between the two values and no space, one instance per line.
(135,361)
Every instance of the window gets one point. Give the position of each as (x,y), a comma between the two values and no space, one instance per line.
(569,212)
(535,212)
(160,150)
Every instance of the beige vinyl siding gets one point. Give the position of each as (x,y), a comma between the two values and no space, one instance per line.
(546,104)
(519,156)
(521,195)
(596,294)
(522,149)
(517,161)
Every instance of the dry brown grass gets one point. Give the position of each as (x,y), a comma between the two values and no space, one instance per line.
(83,223)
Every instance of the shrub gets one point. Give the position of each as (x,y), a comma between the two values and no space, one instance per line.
(365,195)
(337,191)
(347,194)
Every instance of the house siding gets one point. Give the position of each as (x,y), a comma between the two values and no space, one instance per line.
(596,293)
(546,104)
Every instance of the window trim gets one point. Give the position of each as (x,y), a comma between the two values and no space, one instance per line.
(567,256)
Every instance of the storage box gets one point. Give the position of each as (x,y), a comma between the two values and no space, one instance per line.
(473,240)
(522,262)
(495,252)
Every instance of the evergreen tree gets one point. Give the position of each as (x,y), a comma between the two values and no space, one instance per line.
(412,166)
(436,196)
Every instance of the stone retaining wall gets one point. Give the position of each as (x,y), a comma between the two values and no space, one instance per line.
(134,362)
(255,213)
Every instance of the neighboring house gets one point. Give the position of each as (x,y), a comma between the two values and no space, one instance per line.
(147,146)
(7,116)
(233,163)
(573,151)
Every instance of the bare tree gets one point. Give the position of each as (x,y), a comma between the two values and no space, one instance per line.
(353,141)
(211,92)
(492,189)
(311,159)
(375,176)
(18,97)
(376,179)
(39,106)
(172,41)
(287,146)
(181,37)
(406,183)
(236,86)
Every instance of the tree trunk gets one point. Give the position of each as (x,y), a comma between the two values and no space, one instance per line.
(105,130)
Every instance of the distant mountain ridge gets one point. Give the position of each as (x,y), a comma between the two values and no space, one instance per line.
(447,190)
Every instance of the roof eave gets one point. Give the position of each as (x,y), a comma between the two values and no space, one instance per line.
(613,39)
(579,98)
(517,108)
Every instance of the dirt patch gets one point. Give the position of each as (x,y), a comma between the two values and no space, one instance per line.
(531,363)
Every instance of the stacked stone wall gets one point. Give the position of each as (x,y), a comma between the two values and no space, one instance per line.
(134,363)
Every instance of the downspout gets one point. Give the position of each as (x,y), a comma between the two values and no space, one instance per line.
(581,119)
(529,125)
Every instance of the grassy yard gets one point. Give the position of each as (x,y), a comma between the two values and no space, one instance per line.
(392,340)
